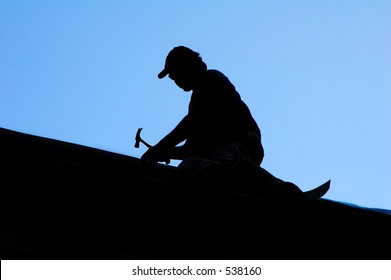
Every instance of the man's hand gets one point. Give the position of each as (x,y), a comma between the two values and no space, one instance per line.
(156,154)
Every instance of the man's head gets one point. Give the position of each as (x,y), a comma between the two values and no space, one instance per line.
(182,64)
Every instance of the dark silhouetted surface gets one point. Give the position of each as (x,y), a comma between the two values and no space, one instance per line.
(65,201)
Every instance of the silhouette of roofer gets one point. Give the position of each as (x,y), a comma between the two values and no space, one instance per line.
(219,131)
(219,125)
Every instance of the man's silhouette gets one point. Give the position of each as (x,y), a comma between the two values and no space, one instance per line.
(219,132)
(218,126)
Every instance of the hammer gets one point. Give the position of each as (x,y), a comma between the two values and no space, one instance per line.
(139,139)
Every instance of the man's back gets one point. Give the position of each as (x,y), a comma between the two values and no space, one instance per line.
(217,113)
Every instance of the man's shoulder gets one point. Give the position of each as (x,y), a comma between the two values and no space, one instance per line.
(215,75)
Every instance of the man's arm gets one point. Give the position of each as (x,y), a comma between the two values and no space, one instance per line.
(165,148)
(177,135)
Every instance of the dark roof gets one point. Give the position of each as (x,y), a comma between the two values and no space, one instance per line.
(61,200)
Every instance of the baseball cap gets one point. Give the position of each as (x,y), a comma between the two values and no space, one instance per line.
(175,57)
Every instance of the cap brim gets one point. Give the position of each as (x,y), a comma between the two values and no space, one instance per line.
(162,74)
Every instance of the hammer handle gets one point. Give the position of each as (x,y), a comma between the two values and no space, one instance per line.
(145,143)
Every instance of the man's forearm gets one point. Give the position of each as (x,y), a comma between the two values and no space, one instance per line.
(179,153)
(177,135)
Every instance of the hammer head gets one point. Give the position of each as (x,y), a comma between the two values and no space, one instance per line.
(138,138)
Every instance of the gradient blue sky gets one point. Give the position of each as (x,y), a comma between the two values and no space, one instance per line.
(315,74)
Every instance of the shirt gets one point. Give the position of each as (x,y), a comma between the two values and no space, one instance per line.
(217,115)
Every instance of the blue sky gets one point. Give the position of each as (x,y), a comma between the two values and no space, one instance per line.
(315,74)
